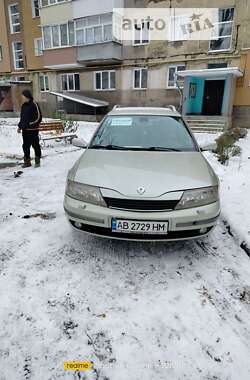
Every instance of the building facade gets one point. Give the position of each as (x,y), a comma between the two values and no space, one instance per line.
(21,48)
(74,63)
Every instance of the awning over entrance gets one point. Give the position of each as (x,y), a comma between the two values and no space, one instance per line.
(81,99)
(211,73)
(209,92)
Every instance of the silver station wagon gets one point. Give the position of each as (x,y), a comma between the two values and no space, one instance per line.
(142,177)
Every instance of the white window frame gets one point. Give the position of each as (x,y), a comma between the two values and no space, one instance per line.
(109,81)
(14,55)
(176,70)
(10,18)
(50,3)
(223,37)
(60,46)
(141,37)
(44,76)
(91,27)
(34,8)
(36,41)
(140,69)
(68,75)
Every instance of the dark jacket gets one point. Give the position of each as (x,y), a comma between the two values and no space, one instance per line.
(31,116)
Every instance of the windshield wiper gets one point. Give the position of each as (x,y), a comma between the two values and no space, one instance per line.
(108,147)
(117,147)
(162,148)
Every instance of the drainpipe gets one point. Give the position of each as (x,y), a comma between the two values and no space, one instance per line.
(180,90)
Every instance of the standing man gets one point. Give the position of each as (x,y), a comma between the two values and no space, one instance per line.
(30,120)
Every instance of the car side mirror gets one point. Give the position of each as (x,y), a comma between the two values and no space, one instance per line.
(79,143)
(208,147)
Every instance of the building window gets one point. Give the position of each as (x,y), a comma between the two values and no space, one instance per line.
(70,82)
(177,22)
(222,35)
(35,4)
(1,53)
(38,45)
(14,15)
(140,79)
(94,29)
(58,35)
(52,2)
(217,65)
(18,55)
(20,79)
(44,83)
(105,80)
(141,33)
(173,76)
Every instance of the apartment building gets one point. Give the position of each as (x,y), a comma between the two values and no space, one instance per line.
(22,49)
(5,89)
(67,51)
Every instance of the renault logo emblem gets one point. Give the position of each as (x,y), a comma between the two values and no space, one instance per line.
(141,190)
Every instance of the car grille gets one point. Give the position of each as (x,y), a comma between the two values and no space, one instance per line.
(140,205)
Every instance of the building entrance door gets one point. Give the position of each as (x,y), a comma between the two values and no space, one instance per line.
(213,97)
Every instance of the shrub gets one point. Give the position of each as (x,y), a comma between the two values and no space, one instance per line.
(225,144)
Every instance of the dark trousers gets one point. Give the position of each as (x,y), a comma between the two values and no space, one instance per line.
(31,138)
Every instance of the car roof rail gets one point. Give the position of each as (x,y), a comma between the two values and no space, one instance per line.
(116,106)
(172,108)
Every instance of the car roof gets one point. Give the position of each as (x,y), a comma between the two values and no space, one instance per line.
(167,111)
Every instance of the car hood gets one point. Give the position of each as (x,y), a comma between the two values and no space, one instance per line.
(157,172)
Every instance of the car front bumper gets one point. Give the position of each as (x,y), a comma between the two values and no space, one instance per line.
(183,224)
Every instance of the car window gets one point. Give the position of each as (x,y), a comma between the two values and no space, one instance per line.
(144,132)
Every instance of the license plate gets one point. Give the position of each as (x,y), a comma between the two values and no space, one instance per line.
(138,226)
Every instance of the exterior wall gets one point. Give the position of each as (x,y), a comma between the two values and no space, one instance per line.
(60,57)
(94,7)
(193,106)
(241,112)
(242,96)
(5,62)
(56,13)
(18,37)
(31,31)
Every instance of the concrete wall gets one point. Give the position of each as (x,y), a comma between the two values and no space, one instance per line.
(241,109)
(242,95)
(241,116)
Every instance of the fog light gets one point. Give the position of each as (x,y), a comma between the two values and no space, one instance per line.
(203,230)
(78,225)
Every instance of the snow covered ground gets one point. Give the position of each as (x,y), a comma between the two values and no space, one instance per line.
(136,310)
(235,190)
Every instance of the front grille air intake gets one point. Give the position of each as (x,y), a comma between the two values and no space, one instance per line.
(140,205)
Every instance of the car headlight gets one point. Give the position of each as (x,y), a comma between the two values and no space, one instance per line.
(198,197)
(85,193)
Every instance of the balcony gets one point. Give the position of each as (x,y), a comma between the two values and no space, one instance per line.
(100,53)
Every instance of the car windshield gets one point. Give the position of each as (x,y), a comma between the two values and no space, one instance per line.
(143,132)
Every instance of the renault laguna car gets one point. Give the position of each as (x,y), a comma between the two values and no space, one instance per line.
(142,177)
